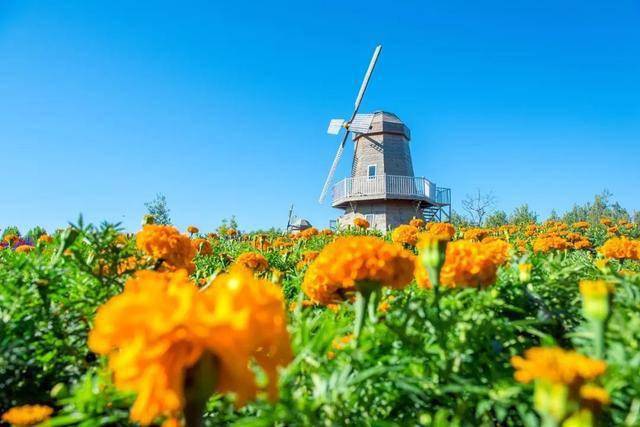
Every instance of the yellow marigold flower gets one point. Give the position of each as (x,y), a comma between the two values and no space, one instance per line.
(467,264)
(476,234)
(580,225)
(349,260)
(524,271)
(405,234)
(556,365)
(202,246)
(621,248)
(550,243)
(595,288)
(24,249)
(595,299)
(417,223)
(27,415)
(384,306)
(253,261)
(192,229)
(165,244)
(45,239)
(361,222)
(592,394)
(161,325)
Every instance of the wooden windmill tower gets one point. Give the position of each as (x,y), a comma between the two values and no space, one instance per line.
(382,186)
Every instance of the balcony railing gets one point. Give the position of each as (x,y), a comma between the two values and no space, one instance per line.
(389,187)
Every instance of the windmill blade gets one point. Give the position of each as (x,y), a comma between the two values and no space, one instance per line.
(367,76)
(361,123)
(334,166)
(334,126)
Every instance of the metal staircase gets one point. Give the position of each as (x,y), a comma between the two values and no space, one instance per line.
(435,213)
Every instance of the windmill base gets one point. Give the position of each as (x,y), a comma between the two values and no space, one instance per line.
(382,216)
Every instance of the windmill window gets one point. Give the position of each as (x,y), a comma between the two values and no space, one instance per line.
(371,171)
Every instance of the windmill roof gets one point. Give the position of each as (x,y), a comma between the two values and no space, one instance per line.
(386,116)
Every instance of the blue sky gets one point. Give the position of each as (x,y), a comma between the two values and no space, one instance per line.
(224,107)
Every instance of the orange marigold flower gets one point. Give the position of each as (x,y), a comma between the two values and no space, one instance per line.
(202,246)
(307,233)
(307,258)
(550,243)
(440,229)
(405,234)
(606,222)
(476,234)
(556,365)
(349,260)
(580,225)
(27,415)
(340,343)
(498,250)
(361,222)
(531,230)
(621,248)
(582,244)
(231,232)
(24,249)
(161,325)
(9,238)
(192,229)
(326,232)
(467,264)
(45,239)
(417,223)
(253,261)
(592,395)
(165,244)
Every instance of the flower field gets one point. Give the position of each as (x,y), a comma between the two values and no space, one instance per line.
(528,324)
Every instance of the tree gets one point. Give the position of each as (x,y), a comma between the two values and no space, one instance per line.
(523,215)
(35,233)
(159,210)
(602,206)
(478,206)
(496,219)
(636,217)
(459,221)
(553,216)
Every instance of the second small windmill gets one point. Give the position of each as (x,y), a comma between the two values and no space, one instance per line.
(382,186)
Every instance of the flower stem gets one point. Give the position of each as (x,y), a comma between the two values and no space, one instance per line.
(199,384)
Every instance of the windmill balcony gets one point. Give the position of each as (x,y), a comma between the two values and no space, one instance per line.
(389,187)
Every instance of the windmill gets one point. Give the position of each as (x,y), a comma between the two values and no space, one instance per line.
(382,186)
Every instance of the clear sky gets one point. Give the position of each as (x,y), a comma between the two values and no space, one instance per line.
(223,107)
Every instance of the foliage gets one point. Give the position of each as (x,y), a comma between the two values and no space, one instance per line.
(523,215)
(496,219)
(423,361)
(159,210)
